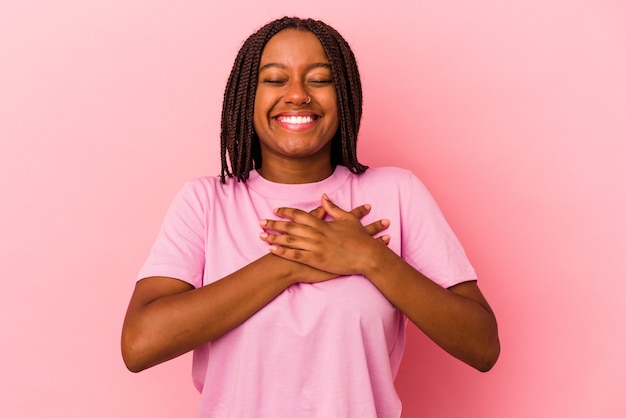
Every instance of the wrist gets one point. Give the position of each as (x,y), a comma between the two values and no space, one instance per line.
(379,261)
(284,271)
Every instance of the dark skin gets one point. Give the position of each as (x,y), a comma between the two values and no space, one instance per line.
(167,317)
(458,319)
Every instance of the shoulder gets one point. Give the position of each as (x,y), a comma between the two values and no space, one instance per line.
(389,176)
(209,185)
(397,184)
(204,182)
(201,193)
(388,173)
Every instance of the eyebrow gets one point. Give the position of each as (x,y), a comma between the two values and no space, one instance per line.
(283,66)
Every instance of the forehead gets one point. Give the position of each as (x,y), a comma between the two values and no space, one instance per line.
(291,46)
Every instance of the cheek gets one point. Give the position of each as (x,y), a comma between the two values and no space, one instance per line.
(263,104)
(257,114)
(334,115)
(334,107)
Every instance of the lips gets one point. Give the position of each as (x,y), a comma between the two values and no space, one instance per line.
(296,122)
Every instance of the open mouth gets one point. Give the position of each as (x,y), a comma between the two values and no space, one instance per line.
(296,120)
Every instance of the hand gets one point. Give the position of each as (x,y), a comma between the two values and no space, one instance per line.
(307,274)
(360,211)
(341,246)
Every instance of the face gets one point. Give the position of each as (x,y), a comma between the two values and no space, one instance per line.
(295,107)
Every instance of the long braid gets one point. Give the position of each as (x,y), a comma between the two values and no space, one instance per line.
(238,138)
(349,97)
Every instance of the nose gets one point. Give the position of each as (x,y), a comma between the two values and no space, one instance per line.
(296,94)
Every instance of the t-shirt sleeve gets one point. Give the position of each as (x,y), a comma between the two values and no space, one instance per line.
(179,249)
(428,242)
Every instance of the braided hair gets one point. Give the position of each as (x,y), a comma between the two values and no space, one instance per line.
(239,141)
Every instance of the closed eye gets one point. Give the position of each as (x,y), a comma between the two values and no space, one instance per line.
(273,81)
(321,82)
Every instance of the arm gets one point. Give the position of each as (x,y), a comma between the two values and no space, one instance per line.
(458,319)
(167,317)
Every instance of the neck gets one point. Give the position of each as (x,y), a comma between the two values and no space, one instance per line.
(289,173)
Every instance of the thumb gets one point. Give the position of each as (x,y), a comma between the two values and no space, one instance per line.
(318,212)
(333,210)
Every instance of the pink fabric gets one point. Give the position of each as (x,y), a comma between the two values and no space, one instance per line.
(318,350)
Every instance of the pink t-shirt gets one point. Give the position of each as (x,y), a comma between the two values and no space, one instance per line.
(323,350)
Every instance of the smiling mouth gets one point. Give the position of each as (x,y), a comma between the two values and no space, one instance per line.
(296,120)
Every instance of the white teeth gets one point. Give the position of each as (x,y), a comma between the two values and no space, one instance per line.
(296,120)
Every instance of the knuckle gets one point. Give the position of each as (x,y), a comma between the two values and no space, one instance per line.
(272,238)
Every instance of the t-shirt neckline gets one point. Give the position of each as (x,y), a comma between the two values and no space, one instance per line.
(304,191)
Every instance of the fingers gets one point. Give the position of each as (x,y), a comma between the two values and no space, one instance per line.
(361,211)
(291,234)
(376,227)
(302,217)
(301,228)
(327,238)
(384,239)
(316,217)
(334,210)
(318,212)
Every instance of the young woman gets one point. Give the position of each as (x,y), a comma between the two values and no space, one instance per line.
(293,274)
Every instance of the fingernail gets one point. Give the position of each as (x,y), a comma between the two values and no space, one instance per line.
(263,222)
(385,222)
(367,207)
(263,235)
(325,196)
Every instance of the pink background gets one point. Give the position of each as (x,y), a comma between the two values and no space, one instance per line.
(512,113)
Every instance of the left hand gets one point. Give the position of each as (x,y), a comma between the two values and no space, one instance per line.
(342,246)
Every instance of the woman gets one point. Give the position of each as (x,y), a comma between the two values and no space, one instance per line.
(292,275)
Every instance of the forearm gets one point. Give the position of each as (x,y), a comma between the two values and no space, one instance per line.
(458,320)
(169,318)
(168,326)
